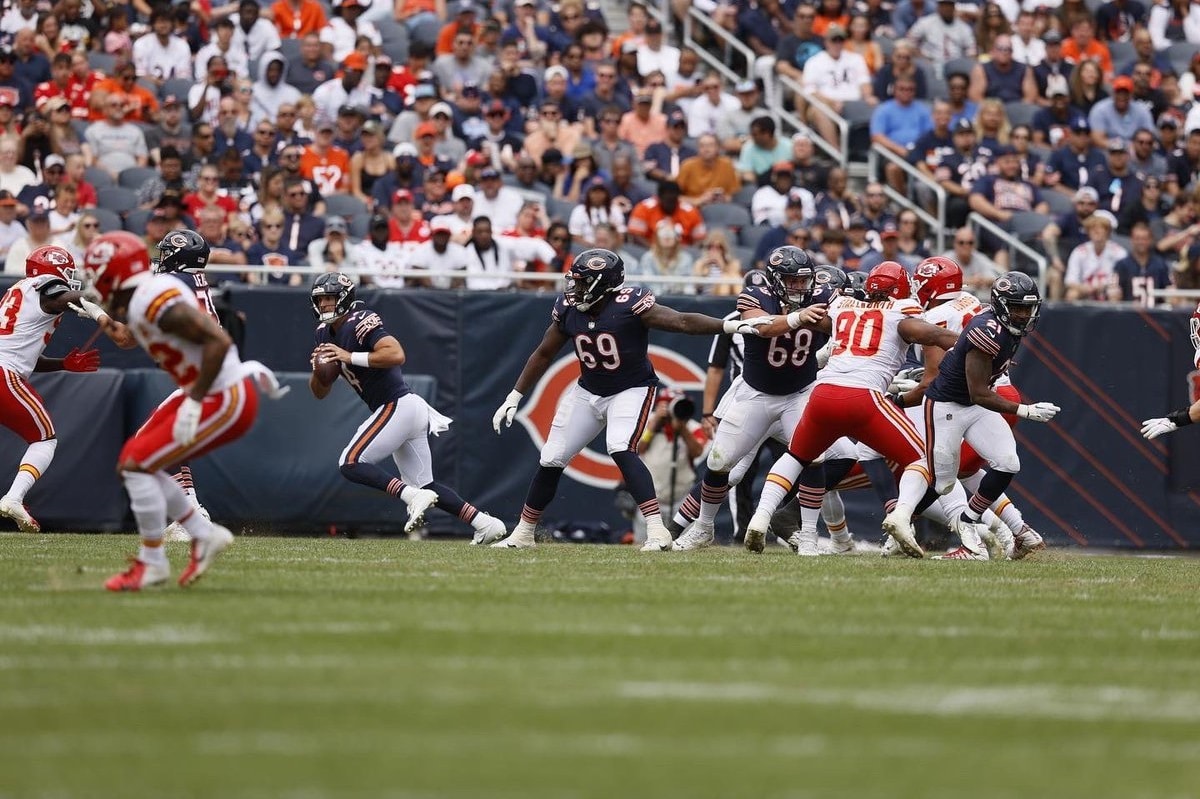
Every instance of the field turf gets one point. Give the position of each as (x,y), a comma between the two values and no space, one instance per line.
(313,668)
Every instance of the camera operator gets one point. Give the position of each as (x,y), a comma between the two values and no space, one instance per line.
(671,444)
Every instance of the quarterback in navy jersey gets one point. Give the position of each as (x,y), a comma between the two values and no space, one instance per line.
(370,359)
(608,324)
(769,396)
(960,403)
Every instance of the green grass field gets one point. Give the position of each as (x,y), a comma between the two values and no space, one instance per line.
(341,668)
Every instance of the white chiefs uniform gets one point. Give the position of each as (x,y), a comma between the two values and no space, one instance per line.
(174,355)
(867,350)
(25,329)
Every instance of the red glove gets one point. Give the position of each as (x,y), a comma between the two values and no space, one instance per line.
(77,361)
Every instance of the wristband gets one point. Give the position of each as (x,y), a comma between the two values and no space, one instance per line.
(793,320)
(647,436)
(1180,418)
(360,359)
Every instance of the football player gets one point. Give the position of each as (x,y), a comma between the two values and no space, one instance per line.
(30,312)
(184,253)
(962,405)
(1153,428)
(871,337)
(369,358)
(216,403)
(609,325)
(768,398)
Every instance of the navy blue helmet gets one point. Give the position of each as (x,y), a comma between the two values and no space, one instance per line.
(593,275)
(182,251)
(1017,302)
(791,276)
(333,284)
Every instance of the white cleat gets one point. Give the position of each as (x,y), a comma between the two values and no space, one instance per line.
(901,530)
(175,532)
(493,530)
(995,549)
(16,511)
(697,536)
(756,532)
(804,543)
(843,545)
(516,541)
(204,553)
(961,553)
(1028,541)
(657,545)
(422,501)
(889,548)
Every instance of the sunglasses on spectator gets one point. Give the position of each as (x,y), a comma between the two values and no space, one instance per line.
(297,193)
(272,225)
(89,225)
(964,241)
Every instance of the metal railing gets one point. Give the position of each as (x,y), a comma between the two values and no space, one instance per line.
(695,17)
(937,223)
(838,152)
(1014,246)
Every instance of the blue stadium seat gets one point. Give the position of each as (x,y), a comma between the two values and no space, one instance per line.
(116,199)
(109,221)
(135,176)
(98,178)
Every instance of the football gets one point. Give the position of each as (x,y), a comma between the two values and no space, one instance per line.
(327,372)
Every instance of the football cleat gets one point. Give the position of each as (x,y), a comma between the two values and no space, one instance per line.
(804,543)
(16,511)
(995,549)
(842,544)
(204,552)
(493,530)
(422,501)
(1003,535)
(657,545)
(517,540)
(697,536)
(1028,542)
(888,548)
(960,553)
(139,575)
(756,532)
(176,532)
(900,528)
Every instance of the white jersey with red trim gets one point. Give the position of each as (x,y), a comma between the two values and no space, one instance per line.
(954,316)
(25,329)
(867,349)
(176,356)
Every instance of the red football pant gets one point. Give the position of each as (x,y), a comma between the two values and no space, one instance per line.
(864,415)
(22,409)
(225,416)
(969,461)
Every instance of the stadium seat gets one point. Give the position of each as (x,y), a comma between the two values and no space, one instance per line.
(135,176)
(98,178)
(359,225)
(559,210)
(391,31)
(1020,113)
(1028,225)
(745,194)
(102,62)
(116,199)
(958,66)
(1122,54)
(426,32)
(346,205)
(135,221)
(1059,203)
(728,215)
(108,220)
(176,86)
(751,235)
(1180,55)
(290,49)
(396,50)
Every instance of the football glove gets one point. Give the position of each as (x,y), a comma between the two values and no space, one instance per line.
(87,309)
(507,410)
(77,361)
(1038,411)
(746,327)
(901,385)
(187,422)
(806,316)
(824,353)
(1153,428)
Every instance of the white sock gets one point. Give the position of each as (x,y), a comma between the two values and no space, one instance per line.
(152,552)
(1009,513)
(912,488)
(523,530)
(33,465)
(783,476)
(655,530)
(181,508)
(148,505)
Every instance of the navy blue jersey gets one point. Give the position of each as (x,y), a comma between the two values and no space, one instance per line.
(983,333)
(360,331)
(199,284)
(612,343)
(782,365)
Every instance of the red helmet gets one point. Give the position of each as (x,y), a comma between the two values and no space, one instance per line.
(937,278)
(888,279)
(51,260)
(112,259)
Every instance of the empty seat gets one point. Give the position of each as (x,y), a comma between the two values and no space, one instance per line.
(116,199)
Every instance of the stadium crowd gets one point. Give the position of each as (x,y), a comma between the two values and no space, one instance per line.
(445,134)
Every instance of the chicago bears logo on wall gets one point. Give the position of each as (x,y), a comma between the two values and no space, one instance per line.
(591,467)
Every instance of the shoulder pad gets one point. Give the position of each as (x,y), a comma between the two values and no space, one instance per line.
(53,287)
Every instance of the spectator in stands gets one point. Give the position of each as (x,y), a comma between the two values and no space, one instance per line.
(733,128)
(1082,45)
(140,104)
(1091,268)
(911,241)
(553,132)
(642,126)
(1117,116)
(371,163)
(45,194)
(171,131)
(406,227)
(797,47)
(228,134)
(1053,122)
(19,15)
(1028,49)
(12,82)
(1119,188)
(666,205)
(1074,163)
(716,259)
(271,250)
(903,64)
(655,55)
(662,159)
(786,233)
(1086,85)
(1142,269)
(608,145)
(504,254)
(1032,169)
(439,253)
(1117,19)
(345,27)
(762,151)
(204,98)
(64,215)
(334,251)
(705,113)
(37,234)
(10,228)
(77,240)
(768,204)
(812,171)
(833,247)
(875,207)
(856,245)
(957,171)
(311,69)
(347,90)
(608,238)
(905,14)
(606,95)
(269,193)
(327,166)
(1144,161)
(461,215)
(595,208)
(684,86)
(836,204)
(1002,77)
(1150,208)
(979,271)
(627,193)
(271,92)
(1144,94)
(835,77)
(300,228)
(160,54)
(889,250)
(461,67)
(666,257)
(116,144)
(897,125)
(59,84)
(209,195)
(1157,64)
(708,176)
(223,46)
(961,107)
(941,37)
(936,142)
(1002,195)
(297,18)
(254,34)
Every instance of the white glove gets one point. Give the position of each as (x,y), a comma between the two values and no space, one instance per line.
(1153,428)
(187,420)
(901,385)
(1038,411)
(87,309)
(507,411)
(806,316)
(824,353)
(746,327)
(912,373)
